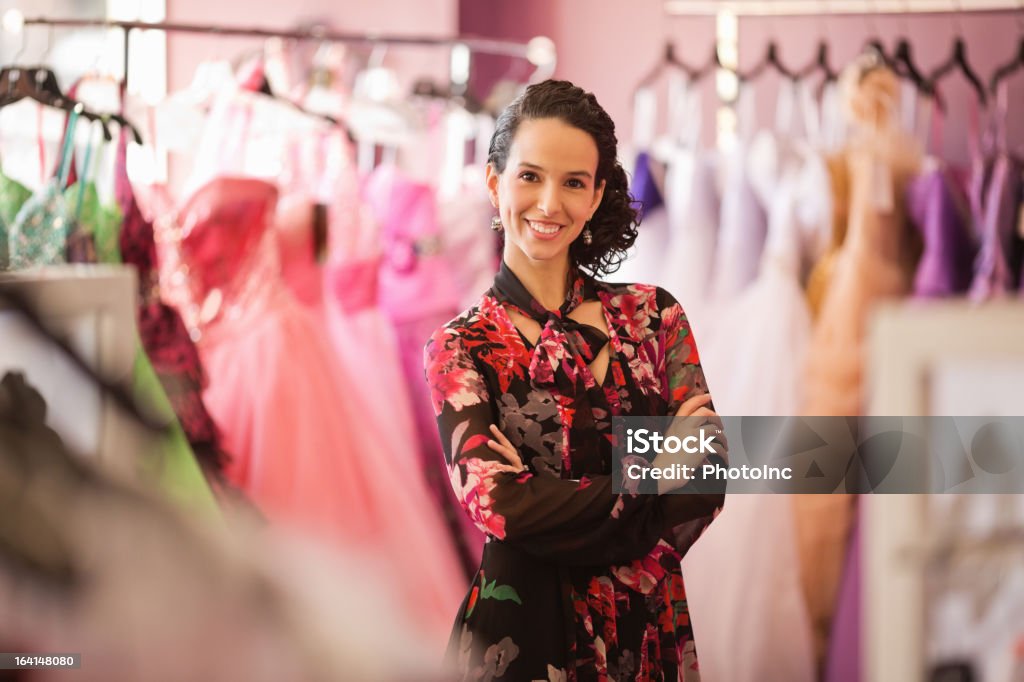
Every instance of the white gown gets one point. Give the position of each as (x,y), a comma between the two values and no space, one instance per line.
(744,220)
(756,625)
(691,199)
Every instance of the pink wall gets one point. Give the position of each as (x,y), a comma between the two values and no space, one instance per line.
(606,47)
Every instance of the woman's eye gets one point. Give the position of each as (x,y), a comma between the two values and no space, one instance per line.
(576,183)
(528,176)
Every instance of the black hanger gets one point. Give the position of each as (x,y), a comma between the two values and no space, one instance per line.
(958,61)
(713,63)
(668,61)
(40,84)
(126,124)
(430,89)
(265,89)
(905,67)
(819,63)
(770,60)
(1007,69)
(876,47)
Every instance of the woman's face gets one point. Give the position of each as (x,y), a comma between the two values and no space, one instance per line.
(547,192)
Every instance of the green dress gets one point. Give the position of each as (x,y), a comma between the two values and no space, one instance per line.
(13,196)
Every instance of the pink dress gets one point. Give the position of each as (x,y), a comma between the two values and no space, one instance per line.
(342,293)
(418,293)
(287,410)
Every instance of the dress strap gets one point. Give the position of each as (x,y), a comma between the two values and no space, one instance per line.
(68,146)
(41,144)
(1000,110)
(83,178)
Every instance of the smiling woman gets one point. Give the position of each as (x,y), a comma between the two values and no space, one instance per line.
(561,172)
(576,581)
(547,194)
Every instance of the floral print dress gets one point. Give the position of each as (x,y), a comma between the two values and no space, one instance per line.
(576,582)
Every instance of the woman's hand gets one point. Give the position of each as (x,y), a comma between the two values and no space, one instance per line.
(693,407)
(505,448)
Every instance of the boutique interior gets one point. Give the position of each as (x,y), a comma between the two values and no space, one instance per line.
(228,229)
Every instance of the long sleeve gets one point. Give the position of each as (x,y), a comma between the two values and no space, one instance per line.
(566,521)
(685,380)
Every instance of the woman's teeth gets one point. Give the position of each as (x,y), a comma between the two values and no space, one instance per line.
(544,229)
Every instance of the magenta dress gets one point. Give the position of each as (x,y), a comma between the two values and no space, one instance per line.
(418,293)
(284,405)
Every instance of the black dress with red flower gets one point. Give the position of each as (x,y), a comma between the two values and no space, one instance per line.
(576,582)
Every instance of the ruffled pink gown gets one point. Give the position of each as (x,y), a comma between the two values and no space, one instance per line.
(342,293)
(288,409)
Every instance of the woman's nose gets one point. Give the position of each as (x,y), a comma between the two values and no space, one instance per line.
(549,202)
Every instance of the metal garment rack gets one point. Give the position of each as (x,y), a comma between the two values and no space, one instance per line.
(813,7)
(320,35)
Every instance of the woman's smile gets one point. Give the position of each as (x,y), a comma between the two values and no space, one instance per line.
(543,229)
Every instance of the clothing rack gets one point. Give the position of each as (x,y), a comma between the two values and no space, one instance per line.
(814,7)
(540,51)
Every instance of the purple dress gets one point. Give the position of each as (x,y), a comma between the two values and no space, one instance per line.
(938,208)
(643,188)
(995,205)
(845,651)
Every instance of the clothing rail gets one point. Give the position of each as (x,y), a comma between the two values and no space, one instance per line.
(540,52)
(812,7)
(483,45)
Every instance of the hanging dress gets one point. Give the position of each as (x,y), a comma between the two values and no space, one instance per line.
(170,465)
(352,309)
(743,219)
(691,202)
(281,400)
(575,582)
(12,196)
(318,166)
(38,235)
(418,293)
(764,610)
(645,258)
(997,189)
(90,216)
(875,262)
(646,255)
(939,209)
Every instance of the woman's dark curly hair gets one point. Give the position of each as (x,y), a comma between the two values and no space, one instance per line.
(615,220)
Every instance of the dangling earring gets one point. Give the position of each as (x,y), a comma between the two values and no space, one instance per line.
(588,236)
(496,223)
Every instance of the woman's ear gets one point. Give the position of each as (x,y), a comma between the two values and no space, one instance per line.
(598,195)
(492,184)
